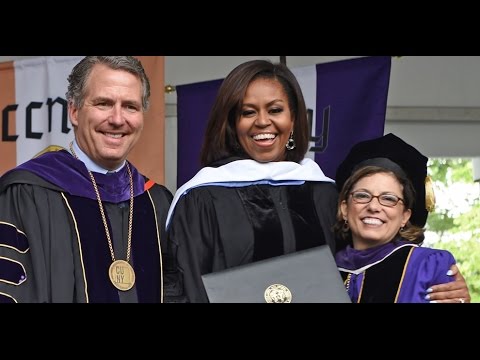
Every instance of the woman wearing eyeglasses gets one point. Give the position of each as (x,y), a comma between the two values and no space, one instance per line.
(383,207)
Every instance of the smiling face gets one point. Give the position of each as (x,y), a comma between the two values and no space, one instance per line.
(265,122)
(110,121)
(374,224)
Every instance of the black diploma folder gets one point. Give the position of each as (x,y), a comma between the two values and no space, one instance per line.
(307,276)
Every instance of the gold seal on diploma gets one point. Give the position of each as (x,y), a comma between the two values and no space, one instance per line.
(278,293)
(121,275)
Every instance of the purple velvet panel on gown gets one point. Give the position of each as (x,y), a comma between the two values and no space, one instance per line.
(63,170)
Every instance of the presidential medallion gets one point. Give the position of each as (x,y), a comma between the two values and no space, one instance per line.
(121,275)
(120,272)
(278,293)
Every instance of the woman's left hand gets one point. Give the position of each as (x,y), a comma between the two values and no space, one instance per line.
(452,292)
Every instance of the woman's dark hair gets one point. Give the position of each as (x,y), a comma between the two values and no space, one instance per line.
(410,232)
(221,136)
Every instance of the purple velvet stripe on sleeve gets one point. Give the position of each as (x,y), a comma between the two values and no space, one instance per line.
(11,271)
(4,299)
(11,237)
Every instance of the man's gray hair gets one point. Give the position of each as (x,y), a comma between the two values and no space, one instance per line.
(78,77)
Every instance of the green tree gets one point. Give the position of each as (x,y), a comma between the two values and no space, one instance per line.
(458,231)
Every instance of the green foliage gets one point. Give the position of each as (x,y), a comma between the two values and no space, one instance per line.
(451,170)
(470,220)
(467,254)
(445,222)
(440,222)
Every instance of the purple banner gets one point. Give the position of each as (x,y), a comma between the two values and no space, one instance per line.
(194,102)
(351,106)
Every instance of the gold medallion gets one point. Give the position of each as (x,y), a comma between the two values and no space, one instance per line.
(278,293)
(121,275)
(120,272)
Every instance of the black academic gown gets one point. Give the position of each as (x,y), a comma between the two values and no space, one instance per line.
(217,227)
(53,246)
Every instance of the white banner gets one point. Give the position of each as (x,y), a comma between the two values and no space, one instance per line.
(41,115)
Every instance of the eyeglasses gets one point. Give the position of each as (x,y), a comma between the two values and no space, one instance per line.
(363,197)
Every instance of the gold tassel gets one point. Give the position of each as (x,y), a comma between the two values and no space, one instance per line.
(429,194)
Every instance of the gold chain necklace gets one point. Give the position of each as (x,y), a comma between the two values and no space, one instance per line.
(347,281)
(121,273)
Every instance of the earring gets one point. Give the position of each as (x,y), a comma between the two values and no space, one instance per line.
(290,145)
(345,226)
